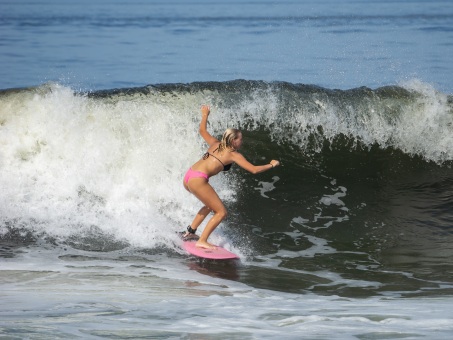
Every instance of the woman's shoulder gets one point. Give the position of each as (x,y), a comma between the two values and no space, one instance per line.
(235,155)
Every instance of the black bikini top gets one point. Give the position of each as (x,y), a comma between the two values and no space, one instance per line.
(225,167)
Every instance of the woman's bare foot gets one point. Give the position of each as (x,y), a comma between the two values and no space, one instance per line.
(205,245)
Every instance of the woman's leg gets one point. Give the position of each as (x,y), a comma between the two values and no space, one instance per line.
(207,195)
(199,218)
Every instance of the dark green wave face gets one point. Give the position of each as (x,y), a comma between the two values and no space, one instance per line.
(379,219)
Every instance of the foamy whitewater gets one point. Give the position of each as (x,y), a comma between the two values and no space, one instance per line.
(350,238)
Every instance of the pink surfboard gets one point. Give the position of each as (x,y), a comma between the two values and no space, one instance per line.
(213,254)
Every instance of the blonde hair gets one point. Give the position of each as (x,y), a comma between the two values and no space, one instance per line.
(227,139)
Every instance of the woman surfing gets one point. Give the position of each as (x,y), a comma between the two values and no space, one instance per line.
(219,157)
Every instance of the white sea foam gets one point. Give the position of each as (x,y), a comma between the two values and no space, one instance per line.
(71,162)
(267,186)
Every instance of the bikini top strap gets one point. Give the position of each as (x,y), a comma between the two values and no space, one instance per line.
(207,154)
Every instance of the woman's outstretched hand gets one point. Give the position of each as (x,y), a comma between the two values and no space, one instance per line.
(274,163)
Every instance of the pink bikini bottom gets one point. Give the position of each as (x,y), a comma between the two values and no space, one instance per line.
(194,174)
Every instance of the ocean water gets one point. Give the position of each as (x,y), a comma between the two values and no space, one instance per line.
(341,44)
(351,238)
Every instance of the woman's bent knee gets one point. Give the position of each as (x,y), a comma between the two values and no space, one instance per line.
(222,213)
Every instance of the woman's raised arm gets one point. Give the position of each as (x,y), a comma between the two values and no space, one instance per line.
(205,110)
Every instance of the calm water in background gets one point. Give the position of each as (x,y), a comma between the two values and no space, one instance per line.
(349,239)
(335,44)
